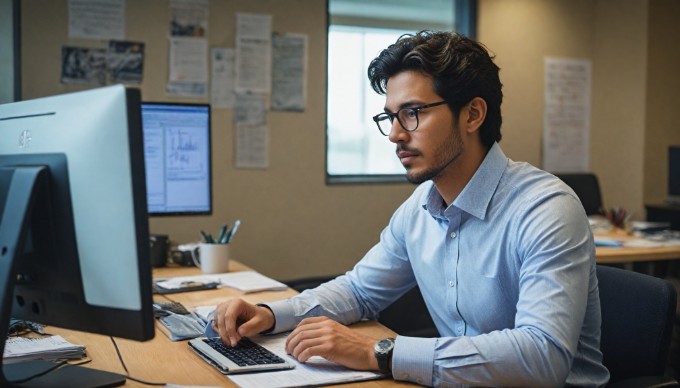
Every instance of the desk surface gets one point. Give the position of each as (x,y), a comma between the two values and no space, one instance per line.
(607,255)
(161,360)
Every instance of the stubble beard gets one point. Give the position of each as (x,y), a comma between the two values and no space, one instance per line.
(447,152)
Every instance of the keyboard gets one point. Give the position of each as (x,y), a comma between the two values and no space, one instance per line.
(246,356)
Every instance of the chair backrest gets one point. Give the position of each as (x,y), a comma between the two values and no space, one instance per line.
(587,188)
(638,312)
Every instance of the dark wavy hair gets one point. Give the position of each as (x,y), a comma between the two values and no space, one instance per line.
(461,69)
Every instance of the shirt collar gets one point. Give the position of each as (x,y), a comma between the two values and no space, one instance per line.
(477,194)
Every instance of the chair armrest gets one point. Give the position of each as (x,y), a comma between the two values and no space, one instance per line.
(646,382)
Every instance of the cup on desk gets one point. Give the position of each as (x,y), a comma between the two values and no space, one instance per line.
(211,258)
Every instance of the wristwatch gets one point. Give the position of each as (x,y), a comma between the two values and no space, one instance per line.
(383,353)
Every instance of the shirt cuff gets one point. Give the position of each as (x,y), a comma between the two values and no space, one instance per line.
(283,314)
(413,359)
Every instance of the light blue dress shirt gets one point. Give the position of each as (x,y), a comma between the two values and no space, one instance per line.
(508,275)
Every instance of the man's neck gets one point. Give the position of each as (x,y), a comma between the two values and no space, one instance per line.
(453,179)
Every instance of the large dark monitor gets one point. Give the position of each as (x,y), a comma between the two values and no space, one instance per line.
(74,237)
(177,154)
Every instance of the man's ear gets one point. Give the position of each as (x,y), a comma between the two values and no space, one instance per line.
(476,114)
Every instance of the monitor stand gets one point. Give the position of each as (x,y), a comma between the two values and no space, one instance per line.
(19,190)
(65,376)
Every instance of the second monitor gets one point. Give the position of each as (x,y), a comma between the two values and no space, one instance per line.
(178,159)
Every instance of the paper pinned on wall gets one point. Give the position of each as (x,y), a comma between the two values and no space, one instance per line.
(223,76)
(289,72)
(566,115)
(188,67)
(96,19)
(251,131)
(253,52)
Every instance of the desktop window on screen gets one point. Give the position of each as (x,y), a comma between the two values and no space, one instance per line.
(177,157)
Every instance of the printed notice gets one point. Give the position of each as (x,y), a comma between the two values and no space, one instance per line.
(96,19)
(222,80)
(566,116)
(253,52)
(252,132)
(188,67)
(289,72)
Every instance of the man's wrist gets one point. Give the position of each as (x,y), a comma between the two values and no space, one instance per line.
(271,328)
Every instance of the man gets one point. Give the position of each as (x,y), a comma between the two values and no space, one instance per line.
(502,251)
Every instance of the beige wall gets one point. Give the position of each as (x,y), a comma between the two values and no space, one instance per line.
(295,225)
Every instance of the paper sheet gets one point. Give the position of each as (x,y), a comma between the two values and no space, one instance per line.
(188,67)
(251,132)
(223,78)
(253,52)
(244,281)
(289,72)
(316,371)
(96,19)
(566,116)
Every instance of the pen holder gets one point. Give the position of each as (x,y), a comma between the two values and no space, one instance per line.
(211,258)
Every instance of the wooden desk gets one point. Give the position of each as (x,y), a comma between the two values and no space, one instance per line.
(161,360)
(622,255)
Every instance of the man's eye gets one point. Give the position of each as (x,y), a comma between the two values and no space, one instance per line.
(411,113)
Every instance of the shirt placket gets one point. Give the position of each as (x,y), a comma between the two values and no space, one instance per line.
(452,263)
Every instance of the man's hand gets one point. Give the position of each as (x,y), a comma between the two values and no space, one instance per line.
(237,318)
(321,336)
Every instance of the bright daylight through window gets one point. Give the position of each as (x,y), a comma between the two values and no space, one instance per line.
(358,31)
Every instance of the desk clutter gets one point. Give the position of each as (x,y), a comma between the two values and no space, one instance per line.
(49,348)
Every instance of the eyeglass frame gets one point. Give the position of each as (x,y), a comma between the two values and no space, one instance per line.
(391,116)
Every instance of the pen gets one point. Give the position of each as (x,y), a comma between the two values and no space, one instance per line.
(207,238)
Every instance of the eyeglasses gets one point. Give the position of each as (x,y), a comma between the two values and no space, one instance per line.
(407,117)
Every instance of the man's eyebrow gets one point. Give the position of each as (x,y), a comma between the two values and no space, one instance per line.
(407,104)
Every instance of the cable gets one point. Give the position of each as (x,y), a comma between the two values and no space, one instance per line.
(127,374)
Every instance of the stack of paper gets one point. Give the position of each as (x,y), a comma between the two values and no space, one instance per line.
(245,281)
(44,348)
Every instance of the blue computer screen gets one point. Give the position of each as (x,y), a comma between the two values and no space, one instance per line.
(177,158)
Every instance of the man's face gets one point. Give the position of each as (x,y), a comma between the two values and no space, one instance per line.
(436,143)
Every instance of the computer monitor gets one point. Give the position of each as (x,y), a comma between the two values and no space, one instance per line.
(74,237)
(673,175)
(177,154)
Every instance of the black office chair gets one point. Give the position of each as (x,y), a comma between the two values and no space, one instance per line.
(587,188)
(638,312)
(406,316)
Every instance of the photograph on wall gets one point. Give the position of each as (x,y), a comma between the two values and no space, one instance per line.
(125,61)
(81,65)
(189,18)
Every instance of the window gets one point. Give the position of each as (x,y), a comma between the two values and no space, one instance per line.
(358,31)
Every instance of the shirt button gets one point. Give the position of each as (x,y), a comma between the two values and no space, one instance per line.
(453,234)
(419,381)
(460,330)
(451,283)
(405,376)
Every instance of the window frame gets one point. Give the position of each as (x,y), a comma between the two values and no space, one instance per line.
(465,23)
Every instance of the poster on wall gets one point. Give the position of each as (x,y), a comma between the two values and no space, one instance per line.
(566,115)
(125,61)
(82,65)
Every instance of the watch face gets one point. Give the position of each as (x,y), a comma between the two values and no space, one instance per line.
(384,345)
